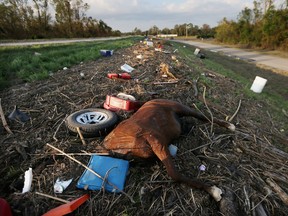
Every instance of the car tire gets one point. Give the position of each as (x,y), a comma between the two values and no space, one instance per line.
(92,122)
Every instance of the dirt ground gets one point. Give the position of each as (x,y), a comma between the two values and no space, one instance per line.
(245,164)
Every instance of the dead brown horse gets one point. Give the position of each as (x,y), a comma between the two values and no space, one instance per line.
(150,130)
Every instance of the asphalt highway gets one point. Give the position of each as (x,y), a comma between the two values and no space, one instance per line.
(55,41)
(278,64)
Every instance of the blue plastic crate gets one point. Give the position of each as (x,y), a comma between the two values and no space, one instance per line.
(116,170)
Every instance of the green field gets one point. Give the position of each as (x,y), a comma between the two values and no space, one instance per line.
(29,63)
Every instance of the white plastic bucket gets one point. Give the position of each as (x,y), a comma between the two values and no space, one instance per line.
(258,84)
(196,52)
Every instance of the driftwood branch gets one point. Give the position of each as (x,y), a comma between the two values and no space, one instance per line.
(206,105)
(52,197)
(237,110)
(161,83)
(81,136)
(278,190)
(5,125)
(57,129)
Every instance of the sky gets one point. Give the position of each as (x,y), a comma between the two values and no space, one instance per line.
(125,15)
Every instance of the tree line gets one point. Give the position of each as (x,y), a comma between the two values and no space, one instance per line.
(186,29)
(262,26)
(23,19)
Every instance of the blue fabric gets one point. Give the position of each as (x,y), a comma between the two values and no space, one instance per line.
(113,169)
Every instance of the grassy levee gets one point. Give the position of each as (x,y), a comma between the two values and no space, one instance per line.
(274,94)
(36,62)
(276,89)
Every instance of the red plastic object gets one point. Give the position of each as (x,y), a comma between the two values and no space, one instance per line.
(114,75)
(121,76)
(68,207)
(5,209)
(115,104)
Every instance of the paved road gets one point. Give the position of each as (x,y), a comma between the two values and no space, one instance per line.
(41,42)
(272,62)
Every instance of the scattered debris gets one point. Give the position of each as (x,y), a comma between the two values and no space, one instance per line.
(163,83)
(174,58)
(150,43)
(16,114)
(127,68)
(91,171)
(5,209)
(126,96)
(164,69)
(202,167)
(197,51)
(278,190)
(119,75)
(28,180)
(82,75)
(199,54)
(61,185)
(173,150)
(258,84)
(5,125)
(139,56)
(106,53)
(245,158)
(121,103)
(68,207)
(113,172)
(216,193)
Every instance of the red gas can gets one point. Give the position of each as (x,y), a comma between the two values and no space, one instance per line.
(5,209)
(121,76)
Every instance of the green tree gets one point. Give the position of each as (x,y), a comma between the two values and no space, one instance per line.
(267,4)
(275,28)
(104,29)
(227,32)
(16,19)
(166,31)
(180,29)
(245,25)
(41,26)
(257,33)
(31,19)
(69,15)
(154,30)
(136,31)
(258,15)
(206,32)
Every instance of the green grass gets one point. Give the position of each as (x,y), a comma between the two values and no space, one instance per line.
(275,91)
(36,62)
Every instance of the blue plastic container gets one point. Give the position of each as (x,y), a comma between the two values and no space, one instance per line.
(106,52)
(113,168)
